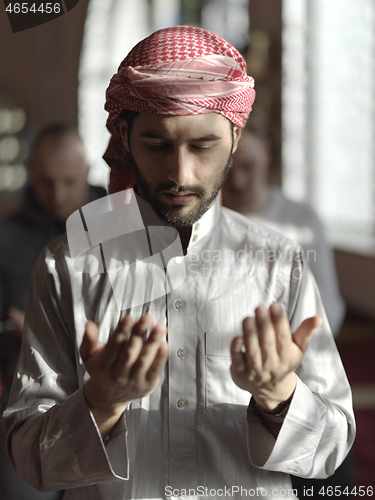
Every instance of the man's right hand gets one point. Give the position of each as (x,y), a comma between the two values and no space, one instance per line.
(122,370)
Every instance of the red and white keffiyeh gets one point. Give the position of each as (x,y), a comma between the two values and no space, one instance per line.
(181,70)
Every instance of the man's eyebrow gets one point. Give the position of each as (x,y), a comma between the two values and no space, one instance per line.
(151,135)
(154,135)
(207,138)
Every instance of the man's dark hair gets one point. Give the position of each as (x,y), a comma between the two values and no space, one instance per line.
(128,116)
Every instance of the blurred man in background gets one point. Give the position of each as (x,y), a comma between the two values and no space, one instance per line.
(58,170)
(247,191)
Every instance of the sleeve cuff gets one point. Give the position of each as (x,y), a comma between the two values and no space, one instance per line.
(100,460)
(301,426)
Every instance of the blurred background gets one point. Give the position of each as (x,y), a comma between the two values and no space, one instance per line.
(314,68)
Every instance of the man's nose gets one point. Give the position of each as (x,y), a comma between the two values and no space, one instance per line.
(181,167)
(59,195)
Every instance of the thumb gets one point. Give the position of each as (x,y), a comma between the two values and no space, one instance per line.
(90,341)
(305,331)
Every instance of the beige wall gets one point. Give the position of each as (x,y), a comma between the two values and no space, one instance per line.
(39,66)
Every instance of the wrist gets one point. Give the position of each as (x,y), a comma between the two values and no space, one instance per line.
(98,402)
(278,413)
(270,401)
(106,415)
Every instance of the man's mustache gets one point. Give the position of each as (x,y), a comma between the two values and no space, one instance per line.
(197,190)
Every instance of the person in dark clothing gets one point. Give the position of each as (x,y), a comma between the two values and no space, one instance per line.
(57,187)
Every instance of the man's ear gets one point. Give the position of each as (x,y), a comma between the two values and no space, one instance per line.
(123,128)
(236,137)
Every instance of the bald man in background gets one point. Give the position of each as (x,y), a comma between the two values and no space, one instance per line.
(58,170)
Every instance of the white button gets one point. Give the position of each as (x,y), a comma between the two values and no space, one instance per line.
(195,238)
(181,353)
(181,403)
(178,260)
(197,226)
(179,304)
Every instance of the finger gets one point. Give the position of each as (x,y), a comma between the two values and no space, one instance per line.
(116,340)
(16,315)
(156,367)
(266,334)
(282,328)
(124,325)
(238,359)
(130,350)
(90,342)
(305,331)
(145,322)
(253,353)
(149,351)
(122,330)
(18,318)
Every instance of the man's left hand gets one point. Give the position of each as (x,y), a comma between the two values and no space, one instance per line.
(264,359)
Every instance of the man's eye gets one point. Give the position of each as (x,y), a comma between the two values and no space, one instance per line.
(201,148)
(158,146)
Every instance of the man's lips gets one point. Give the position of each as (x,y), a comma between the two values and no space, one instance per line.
(180,198)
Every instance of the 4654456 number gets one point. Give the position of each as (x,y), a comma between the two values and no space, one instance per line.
(337,491)
(41,8)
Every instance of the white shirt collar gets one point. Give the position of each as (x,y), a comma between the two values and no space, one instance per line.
(205,224)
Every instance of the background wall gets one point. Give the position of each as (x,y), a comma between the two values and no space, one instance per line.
(39,66)
(39,69)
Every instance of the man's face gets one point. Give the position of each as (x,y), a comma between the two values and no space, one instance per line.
(180,162)
(59,176)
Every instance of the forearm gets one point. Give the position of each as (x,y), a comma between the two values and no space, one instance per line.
(268,400)
(106,416)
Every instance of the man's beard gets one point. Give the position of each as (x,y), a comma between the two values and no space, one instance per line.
(169,214)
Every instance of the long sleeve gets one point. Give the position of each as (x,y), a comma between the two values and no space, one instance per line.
(52,438)
(319,427)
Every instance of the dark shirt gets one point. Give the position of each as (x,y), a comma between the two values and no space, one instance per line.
(22,237)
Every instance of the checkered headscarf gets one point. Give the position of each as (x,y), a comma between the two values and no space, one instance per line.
(181,70)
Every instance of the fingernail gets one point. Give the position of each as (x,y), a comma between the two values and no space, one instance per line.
(276,309)
(238,343)
(120,337)
(261,312)
(249,323)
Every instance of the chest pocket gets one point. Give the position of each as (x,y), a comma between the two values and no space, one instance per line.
(224,401)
